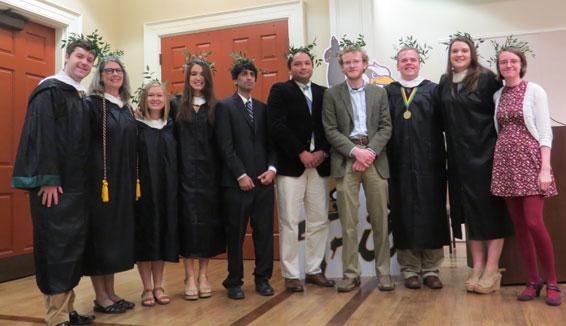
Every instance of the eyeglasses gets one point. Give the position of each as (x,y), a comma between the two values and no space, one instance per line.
(111,71)
(512,62)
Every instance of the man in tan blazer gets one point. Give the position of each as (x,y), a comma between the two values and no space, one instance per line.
(357,124)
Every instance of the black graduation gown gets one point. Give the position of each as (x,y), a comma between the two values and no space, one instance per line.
(201,229)
(110,245)
(156,210)
(470,140)
(53,151)
(417,167)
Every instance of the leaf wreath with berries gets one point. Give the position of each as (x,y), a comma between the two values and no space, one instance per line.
(510,41)
(356,45)
(241,59)
(308,49)
(198,56)
(410,43)
(98,47)
(458,34)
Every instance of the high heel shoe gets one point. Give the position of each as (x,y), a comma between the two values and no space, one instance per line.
(191,292)
(473,279)
(553,301)
(204,291)
(489,282)
(532,291)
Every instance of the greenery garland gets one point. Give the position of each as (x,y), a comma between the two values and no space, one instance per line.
(148,77)
(510,41)
(453,37)
(198,56)
(357,44)
(241,58)
(98,47)
(410,43)
(308,49)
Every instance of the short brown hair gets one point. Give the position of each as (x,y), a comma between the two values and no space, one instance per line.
(516,51)
(80,43)
(350,48)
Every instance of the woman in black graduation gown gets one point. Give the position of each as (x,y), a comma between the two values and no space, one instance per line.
(466,100)
(201,230)
(110,243)
(156,210)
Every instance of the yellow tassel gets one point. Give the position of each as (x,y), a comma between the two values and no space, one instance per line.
(105,198)
(138,190)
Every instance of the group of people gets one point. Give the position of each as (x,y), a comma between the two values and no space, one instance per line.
(110,187)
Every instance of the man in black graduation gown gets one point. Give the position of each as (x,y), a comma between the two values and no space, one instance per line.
(247,180)
(50,163)
(417,167)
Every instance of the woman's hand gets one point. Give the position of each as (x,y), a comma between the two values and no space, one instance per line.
(544,179)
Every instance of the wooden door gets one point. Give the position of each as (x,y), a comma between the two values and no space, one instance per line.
(265,42)
(26,57)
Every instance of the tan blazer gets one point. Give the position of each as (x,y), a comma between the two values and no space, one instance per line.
(338,121)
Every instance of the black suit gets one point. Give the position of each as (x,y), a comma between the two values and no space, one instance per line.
(244,149)
(291,126)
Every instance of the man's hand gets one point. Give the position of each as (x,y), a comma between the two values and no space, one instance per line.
(266,177)
(246,183)
(358,167)
(307,159)
(318,158)
(364,156)
(49,194)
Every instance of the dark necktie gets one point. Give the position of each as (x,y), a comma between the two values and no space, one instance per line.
(250,110)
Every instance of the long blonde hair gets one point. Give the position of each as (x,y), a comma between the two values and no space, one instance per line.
(143,101)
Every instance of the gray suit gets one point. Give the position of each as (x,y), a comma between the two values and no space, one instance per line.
(338,121)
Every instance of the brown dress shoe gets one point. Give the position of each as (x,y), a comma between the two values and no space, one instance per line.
(320,280)
(385,283)
(348,284)
(413,282)
(293,285)
(433,282)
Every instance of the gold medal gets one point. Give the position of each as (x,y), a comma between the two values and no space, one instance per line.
(407,115)
(407,101)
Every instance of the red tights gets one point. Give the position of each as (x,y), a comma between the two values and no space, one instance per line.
(532,236)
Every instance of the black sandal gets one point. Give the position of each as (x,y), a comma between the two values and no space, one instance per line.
(125,304)
(111,309)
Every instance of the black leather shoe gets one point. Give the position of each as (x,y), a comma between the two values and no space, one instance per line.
(65,323)
(264,288)
(235,292)
(76,319)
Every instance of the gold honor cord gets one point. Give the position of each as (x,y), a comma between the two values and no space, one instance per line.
(407,114)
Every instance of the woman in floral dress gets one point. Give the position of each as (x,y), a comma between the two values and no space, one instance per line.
(521,168)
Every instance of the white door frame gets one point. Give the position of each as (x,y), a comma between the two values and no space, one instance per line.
(153,32)
(44,12)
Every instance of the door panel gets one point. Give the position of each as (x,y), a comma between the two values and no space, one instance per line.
(26,57)
(265,42)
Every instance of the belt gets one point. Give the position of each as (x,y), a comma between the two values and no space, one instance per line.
(359,141)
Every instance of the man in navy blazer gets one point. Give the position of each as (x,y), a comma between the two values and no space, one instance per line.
(295,125)
(248,171)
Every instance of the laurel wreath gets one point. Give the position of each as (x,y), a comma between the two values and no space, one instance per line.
(98,47)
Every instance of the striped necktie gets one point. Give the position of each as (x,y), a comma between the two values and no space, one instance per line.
(250,110)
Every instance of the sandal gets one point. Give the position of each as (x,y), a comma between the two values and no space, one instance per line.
(191,292)
(125,304)
(114,308)
(204,291)
(163,299)
(147,301)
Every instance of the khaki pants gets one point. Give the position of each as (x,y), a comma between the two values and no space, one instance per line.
(423,262)
(58,307)
(375,189)
(311,190)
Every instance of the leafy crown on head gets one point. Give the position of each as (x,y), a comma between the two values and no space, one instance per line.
(409,42)
(510,41)
(452,37)
(241,59)
(98,47)
(308,49)
(198,56)
(357,44)
(148,77)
